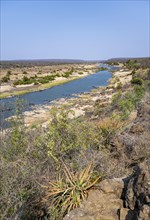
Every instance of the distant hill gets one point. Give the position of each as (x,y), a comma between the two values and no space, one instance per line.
(49,62)
(143,61)
(37,62)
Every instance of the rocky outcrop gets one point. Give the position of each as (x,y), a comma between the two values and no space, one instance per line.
(101,204)
(117,199)
(136,193)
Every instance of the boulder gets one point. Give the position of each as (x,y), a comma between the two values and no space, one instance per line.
(101,204)
(117,199)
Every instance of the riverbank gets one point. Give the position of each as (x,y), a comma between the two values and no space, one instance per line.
(82,104)
(61,74)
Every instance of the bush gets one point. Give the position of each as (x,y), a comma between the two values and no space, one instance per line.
(46,79)
(57,75)
(133,73)
(25,73)
(43,80)
(25,81)
(138,93)
(126,102)
(67,74)
(5,79)
(66,136)
(119,86)
(36,83)
(131,64)
(116,97)
(137,81)
(8,73)
(107,128)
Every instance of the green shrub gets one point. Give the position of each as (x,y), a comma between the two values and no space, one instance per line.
(119,86)
(43,81)
(25,81)
(57,75)
(116,97)
(133,73)
(131,64)
(18,82)
(125,106)
(65,135)
(46,79)
(67,74)
(137,81)
(126,102)
(36,83)
(139,92)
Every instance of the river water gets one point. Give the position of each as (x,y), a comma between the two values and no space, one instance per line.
(67,90)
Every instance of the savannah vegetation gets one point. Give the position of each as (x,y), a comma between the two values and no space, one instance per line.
(46,172)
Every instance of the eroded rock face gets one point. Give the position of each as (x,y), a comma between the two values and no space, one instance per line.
(136,194)
(117,199)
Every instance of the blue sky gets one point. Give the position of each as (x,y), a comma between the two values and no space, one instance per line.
(89,30)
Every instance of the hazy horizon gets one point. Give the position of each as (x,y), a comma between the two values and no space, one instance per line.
(76,59)
(74,30)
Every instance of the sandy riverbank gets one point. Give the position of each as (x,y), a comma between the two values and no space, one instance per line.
(79,71)
(81,104)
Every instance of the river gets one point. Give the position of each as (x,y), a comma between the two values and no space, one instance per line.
(65,90)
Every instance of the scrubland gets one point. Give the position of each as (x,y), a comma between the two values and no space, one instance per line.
(46,171)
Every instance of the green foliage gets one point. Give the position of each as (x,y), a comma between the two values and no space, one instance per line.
(35,80)
(127,102)
(125,106)
(43,80)
(17,138)
(119,86)
(80,73)
(65,136)
(25,81)
(36,83)
(57,75)
(115,98)
(67,74)
(137,81)
(139,92)
(131,64)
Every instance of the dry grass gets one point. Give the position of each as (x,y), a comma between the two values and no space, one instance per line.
(108,127)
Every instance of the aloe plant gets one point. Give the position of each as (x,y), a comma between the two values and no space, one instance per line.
(68,193)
